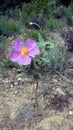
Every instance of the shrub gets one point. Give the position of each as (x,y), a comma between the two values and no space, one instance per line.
(52,23)
(32,33)
(39,6)
(59,11)
(38,11)
(69,14)
(7,63)
(7,4)
(57,58)
(8,28)
(51,56)
(14,13)
(26,11)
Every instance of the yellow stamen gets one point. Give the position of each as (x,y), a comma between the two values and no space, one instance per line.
(24,51)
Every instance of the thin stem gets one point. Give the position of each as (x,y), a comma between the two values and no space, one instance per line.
(36,96)
(32,23)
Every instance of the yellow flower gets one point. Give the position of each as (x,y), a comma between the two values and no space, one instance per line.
(25,35)
(21,37)
(11,38)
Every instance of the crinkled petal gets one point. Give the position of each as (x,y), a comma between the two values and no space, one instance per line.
(24,60)
(17,43)
(14,55)
(30,44)
(34,51)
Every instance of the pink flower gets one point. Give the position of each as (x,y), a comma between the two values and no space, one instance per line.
(22,54)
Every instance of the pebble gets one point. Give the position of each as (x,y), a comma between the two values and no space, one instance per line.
(12,115)
(54,80)
(16,83)
(11,85)
(5,81)
(60,91)
(19,79)
(16,92)
(70,112)
(14,68)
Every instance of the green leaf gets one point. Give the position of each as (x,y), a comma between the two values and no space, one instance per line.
(50,46)
(41,40)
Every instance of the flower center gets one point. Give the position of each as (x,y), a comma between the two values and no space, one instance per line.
(24,51)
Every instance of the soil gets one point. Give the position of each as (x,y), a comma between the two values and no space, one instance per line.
(54,108)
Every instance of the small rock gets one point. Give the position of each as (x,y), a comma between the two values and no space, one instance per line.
(54,80)
(16,83)
(71,60)
(16,92)
(26,79)
(11,85)
(12,115)
(60,91)
(70,112)
(19,79)
(5,81)
(14,68)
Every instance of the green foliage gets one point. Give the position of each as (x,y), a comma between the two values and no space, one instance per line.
(7,63)
(58,11)
(32,33)
(3,74)
(36,7)
(2,38)
(26,11)
(2,44)
(8,4)
(41,12)
(52,23)
(50,55)
(39,6)
(43,58)
(43,7)
(8,28)
(56,58)
(41,40)
(69,14)
(14,13)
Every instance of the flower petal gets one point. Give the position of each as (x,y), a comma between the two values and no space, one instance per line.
(14,55)
(34,51)
(30,44)
(17,43)
(24,60)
